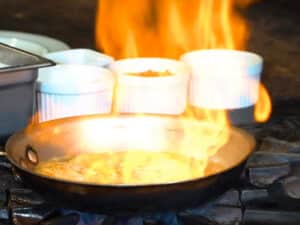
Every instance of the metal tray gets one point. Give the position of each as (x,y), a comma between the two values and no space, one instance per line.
(18,72)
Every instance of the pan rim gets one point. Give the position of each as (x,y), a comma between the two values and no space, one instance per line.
(250,138)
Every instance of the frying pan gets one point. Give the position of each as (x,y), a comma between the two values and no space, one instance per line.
(58,138)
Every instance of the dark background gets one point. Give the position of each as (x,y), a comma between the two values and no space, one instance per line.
(275,32)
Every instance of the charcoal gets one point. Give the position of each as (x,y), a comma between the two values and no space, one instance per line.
(150,222)
(285,129)
(3,159)
(8,181)
(270,217)
(293,121)
(4,214)
(230,198)
(22,196)
(86,218)
(3,198)
(213,215)
(135,221)
(287,192)
(70,219)
(110,220)
(166,218)
(31,215)
(17,176)
(5,222)
(259,159)
(291,187)
(5,165)
(256,197)
(275,145)
(196,221)
(264,176)
(269,158)
(295,169)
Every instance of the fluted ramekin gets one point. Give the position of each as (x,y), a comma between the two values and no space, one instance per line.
(155,95)
(223,79)
(72,90)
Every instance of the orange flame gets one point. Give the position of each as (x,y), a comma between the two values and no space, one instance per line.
(263,107)
(195,139)
(168,28)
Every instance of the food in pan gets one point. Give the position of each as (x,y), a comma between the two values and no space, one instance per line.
(151,73)
(128,167)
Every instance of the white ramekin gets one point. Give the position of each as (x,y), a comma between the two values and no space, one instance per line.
(80,56)
(154,95)
(223,79)
(72,90)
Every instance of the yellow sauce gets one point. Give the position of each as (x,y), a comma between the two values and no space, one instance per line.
(128,167)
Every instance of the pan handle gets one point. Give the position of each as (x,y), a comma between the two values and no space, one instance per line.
(3,153)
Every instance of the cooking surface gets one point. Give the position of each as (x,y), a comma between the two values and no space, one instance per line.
(267,193)
(275,32)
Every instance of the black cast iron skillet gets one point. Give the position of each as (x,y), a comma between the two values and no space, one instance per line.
(59,138)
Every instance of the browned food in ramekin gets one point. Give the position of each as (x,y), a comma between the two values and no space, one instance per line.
(151,73)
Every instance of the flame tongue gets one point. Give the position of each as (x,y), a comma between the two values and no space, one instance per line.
(167,28)
(140,137)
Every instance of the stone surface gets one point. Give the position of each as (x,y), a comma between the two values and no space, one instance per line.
(265,176)
(214,215)
(270,217)
(275,145)
(229,198)
(71,219)
(20,215)
(256,198)
(21,196)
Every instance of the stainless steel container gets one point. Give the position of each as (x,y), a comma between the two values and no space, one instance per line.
(18,72)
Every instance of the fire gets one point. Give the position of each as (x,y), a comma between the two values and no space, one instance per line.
(168,28)
(263,107)
(144,135)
